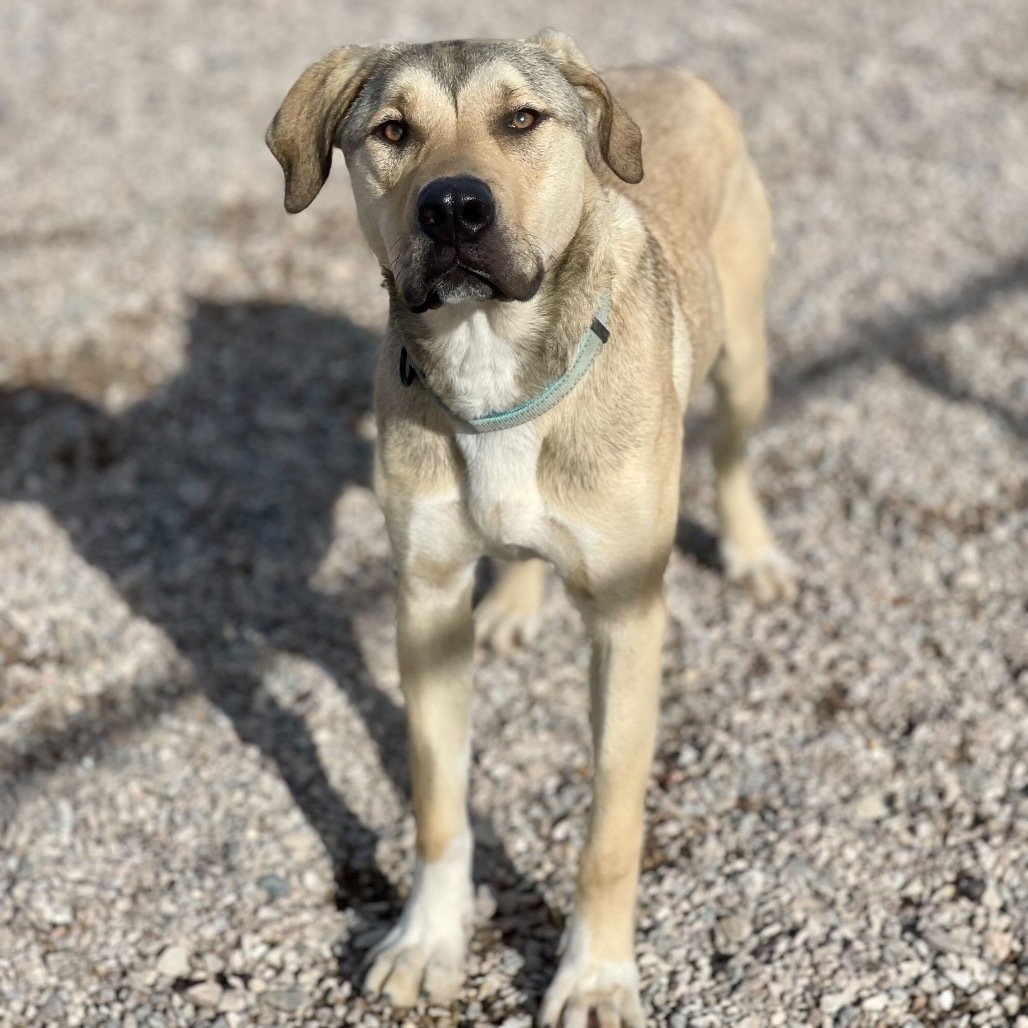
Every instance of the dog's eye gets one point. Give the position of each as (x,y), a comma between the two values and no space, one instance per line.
(392,131)
(523,119)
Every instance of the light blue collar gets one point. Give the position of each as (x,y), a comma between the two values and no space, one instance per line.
(590,344)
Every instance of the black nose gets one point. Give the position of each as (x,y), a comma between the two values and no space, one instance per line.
(455,210)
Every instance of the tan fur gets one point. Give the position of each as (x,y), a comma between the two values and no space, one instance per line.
(591,486)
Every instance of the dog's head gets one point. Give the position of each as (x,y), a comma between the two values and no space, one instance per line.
(468,159)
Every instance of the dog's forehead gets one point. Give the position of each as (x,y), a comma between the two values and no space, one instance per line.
(457,63)
(461,66)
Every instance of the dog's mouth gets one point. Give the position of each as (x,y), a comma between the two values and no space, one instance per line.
(460,284)
(452,276)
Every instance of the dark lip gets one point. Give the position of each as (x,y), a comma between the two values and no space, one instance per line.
(516,285)
(432,301)
(498,293)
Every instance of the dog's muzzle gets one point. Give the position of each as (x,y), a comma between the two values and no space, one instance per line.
(461,253)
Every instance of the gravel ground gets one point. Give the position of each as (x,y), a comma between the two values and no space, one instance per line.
(203,813)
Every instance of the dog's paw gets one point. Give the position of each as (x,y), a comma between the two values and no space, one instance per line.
(587,992)
(608,991)
(424,953)
(405,967)
(766,574)
(506,616)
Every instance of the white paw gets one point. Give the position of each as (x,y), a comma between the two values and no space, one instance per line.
(606,989)
(767,574)
(405,967)
(424,953)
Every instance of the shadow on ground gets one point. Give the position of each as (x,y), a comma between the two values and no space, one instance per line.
(900,337)
(209,506)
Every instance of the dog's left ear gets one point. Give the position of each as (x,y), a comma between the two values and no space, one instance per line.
(618,137)
(301,135)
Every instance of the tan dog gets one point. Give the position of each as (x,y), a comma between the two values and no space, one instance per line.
(490,180)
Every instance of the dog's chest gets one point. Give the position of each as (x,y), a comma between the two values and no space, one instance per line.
(502,492)
(502,496)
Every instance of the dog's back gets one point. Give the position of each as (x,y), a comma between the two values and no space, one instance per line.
(702,199)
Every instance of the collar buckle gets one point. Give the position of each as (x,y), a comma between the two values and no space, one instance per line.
(407,370)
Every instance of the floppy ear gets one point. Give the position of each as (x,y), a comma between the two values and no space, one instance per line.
(618,137)
(302,133)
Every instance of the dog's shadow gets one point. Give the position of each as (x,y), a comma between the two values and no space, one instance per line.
(210,505)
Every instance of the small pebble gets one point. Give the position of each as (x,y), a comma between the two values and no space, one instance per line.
(730,933)
(970,886)
(961,979)
(274,885)
(870,807)
(286,1000)
(997,946)
(877,1003)
(204,994)
(232,1001)
(174,962)
(991,898)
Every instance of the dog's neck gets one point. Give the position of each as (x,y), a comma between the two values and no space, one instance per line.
(487,357)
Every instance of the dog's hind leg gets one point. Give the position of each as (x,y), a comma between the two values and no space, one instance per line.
(505,618)
(742,246)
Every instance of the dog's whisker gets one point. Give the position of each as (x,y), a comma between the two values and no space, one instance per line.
(548,252)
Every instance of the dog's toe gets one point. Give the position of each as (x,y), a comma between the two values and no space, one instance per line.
(766,574)
(585,994)
(503,631)
(443,980)
(400,974)
(395,977)
(593,999)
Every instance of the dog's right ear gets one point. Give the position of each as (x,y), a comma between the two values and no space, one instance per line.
(301,135)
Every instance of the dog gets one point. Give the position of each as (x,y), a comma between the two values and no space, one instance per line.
(551,312)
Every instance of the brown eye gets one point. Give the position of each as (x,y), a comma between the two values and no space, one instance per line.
(393,131)
(523,119)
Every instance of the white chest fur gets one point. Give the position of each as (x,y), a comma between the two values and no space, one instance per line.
(478,364)
(503,498)
(502,493)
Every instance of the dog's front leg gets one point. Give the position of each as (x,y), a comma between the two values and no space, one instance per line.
(425,951)
(597,972)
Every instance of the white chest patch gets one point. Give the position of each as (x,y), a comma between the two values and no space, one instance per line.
(479,364)
(502,493)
